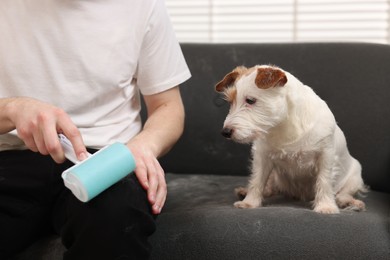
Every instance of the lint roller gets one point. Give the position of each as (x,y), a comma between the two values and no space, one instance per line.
(88,178)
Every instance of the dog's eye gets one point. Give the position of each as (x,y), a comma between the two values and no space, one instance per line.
(250,101)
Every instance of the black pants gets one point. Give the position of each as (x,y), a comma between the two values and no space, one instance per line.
(34,202)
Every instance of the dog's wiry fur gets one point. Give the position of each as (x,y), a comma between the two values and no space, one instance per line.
(297,147)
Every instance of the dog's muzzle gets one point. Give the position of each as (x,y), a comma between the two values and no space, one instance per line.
(227,132)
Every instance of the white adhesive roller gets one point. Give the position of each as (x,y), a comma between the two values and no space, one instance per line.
(88,178)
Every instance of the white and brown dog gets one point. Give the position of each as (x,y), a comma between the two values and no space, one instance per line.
(297,148)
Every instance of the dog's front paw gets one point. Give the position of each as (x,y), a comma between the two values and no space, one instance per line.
(325,208)
(244,205)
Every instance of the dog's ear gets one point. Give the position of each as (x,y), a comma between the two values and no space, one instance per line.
(270,77)
(227,81)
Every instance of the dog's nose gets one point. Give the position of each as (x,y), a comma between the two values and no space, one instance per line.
(227,132)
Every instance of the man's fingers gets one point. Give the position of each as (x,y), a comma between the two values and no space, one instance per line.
(151,177)
(53,146)
(40,143)
(161,192)
(142,175)
(30,143)
(73,134)
(153,182)
(160,197)
(47,140)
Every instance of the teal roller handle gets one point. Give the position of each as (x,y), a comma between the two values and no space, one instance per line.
(101,170)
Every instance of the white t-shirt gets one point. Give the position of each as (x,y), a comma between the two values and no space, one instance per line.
(90,58)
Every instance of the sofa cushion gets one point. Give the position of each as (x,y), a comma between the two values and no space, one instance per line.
(200,222)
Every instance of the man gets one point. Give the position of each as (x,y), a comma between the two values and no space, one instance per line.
(77,67)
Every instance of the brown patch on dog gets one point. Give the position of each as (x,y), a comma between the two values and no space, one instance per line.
(230,78)
(227,81)
(270,77)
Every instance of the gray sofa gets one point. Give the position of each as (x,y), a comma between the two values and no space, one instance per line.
(199,220)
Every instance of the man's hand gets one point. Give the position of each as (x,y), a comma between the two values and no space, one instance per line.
(38,123)
(150,174)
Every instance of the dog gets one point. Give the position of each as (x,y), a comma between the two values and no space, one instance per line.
(297,147)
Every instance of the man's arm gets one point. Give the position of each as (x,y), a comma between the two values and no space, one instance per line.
(161,131)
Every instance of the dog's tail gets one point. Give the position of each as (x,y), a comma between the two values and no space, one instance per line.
(356,184)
